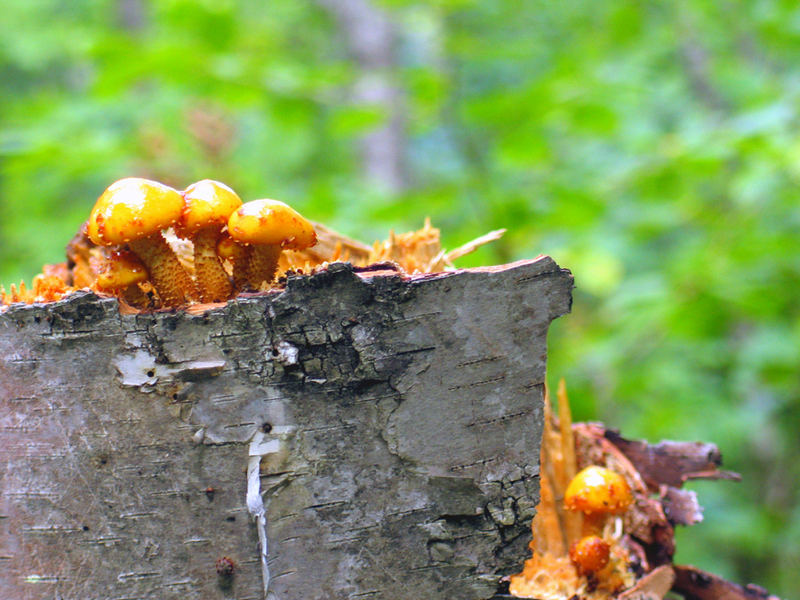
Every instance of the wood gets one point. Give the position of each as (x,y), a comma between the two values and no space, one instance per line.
(672,463)
(381,432)
(694,584)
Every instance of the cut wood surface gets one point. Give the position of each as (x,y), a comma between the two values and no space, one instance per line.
(387,428)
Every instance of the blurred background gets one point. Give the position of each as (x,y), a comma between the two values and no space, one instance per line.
(652,148)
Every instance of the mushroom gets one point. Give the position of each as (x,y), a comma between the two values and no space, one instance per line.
(122,275)
(589,554)
(134,211)
(207,206)
(597,492)
(268,226)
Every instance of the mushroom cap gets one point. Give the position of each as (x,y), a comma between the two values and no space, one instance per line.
(271,222)
(122,269)
(226,248)
(589,554)
(597,490)
(207,203)
(133,208)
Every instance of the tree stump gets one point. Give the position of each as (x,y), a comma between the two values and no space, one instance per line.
(358,434)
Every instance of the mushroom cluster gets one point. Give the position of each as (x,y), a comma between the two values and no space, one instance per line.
(138,247)
(130,220)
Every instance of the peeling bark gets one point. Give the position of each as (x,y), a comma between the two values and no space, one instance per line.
(387,426)
(695,584)
(672,463)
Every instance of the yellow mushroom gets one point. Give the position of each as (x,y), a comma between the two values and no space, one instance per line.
(589,554)
(134,211)
(268,226)
(122,275)
(207,206)
(597,492)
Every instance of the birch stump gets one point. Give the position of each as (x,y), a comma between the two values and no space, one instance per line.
(359,434)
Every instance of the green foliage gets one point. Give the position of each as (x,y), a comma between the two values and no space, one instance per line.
(650,147)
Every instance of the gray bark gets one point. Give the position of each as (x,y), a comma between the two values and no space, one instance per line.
(390,425)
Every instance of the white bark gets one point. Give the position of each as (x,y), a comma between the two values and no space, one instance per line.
(390,426)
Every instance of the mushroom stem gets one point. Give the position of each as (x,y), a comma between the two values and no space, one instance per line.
(262,264)
(239,256)
(169,278)
(593,524)
(212,280)
(241,271)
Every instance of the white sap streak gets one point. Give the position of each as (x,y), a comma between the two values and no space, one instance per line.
(259,447)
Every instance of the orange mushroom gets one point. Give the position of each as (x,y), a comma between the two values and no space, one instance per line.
(207,206)
(590,554)
(597,492)
(269,226)
(122,275)
(134,211)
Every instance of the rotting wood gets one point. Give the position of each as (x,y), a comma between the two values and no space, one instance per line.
(394,424)
(696,584)
(672,463)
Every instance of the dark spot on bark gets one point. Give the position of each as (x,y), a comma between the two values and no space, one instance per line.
(225,568)
(502,587)
(266,427)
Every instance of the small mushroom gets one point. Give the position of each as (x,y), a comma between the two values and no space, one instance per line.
(207,206)
(134,211)
(268,226)
(122,275)
(597,492)
(589,554)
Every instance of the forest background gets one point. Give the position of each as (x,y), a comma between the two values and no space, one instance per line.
(650,147)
